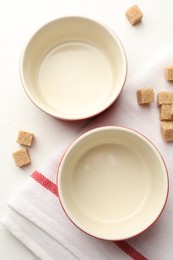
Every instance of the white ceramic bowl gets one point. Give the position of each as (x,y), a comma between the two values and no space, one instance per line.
(113,183)
(73,68)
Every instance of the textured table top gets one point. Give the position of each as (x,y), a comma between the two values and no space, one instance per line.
(18,20)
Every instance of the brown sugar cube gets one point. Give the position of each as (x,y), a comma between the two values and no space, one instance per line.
(25,138)
(21,157)
(169,73)
(166,112)
(145,96)
(171,112)
(164,98)
(167,130)
(134,14)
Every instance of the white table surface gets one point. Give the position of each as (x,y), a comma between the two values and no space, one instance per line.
(18,20)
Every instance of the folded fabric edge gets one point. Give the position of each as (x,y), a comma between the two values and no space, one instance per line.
(40,221)
(24,237)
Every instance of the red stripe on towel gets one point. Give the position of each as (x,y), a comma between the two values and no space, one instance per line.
(129,250)
(45,182)
(124,246)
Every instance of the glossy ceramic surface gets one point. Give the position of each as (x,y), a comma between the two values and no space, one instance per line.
(73,68)
(113,183)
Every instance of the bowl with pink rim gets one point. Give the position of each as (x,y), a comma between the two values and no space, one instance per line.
(113,183)
(73,67)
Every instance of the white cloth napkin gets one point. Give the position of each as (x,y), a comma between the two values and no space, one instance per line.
(35,216)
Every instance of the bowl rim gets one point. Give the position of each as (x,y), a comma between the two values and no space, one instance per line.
(45,108)
(149,142)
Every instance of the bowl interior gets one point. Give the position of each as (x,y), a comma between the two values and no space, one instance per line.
(73,67)
(112,183)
